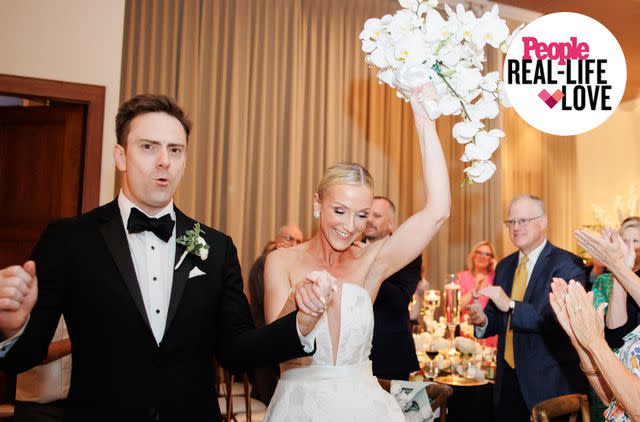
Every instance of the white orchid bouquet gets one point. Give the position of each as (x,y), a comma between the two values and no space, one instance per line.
(417,45)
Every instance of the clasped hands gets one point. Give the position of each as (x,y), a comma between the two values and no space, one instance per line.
(573,306)
(313,294)
(497,296)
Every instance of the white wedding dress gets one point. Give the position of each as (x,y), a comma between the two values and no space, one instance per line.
(313,389)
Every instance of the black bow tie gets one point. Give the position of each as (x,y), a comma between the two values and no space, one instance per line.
(161,227)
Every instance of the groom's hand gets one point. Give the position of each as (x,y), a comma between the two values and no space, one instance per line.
(18,294)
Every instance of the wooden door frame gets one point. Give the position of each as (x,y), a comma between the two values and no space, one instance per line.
(93,97)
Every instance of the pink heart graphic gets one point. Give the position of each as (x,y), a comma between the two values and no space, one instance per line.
(551,100)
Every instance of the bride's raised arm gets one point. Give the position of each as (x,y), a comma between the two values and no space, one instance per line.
(410,239)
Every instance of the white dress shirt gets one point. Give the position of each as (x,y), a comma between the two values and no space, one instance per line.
(533,258)
(153,260)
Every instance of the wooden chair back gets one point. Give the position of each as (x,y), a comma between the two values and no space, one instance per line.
(437,393)
(571,404)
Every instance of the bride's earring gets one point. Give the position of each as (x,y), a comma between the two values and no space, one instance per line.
(316,214)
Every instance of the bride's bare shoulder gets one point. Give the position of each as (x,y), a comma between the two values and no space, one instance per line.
(286,257)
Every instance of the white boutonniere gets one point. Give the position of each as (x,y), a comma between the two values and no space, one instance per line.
(194,244)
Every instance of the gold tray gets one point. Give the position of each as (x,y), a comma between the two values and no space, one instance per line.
(459,381)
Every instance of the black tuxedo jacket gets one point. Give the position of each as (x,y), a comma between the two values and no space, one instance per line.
(85,272)
(545,361)
(393,354)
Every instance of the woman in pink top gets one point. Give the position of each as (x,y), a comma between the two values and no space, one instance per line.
(479,273)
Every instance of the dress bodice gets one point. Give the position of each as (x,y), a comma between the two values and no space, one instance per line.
(313,389)
(356,331)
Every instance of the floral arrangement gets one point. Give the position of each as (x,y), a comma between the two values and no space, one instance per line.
(466,346)
(624,209)
(417,45)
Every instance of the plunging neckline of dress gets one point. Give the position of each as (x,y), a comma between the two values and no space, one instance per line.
(335,357)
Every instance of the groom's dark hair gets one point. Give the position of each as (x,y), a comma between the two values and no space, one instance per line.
(148,103)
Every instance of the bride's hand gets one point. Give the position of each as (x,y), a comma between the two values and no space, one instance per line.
(324,284)
(420,97)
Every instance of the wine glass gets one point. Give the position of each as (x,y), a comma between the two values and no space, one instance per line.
(430,369)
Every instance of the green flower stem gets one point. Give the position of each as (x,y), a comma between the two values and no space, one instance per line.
(436,67)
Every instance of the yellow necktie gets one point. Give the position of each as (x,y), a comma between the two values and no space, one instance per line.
(517,293)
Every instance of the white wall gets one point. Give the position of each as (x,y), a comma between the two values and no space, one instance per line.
(73,41)
(608,161)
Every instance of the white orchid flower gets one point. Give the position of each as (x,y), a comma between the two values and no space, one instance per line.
(403,23)
(484,145)
(490,81)
(449,105)
(410,4)
(490,29)
(374,27)
(450,57)
(426,5)
(386,76)
(463,20)
(480,171)
(467,79)
(410,49)
(377,58)
(504,47)
(408,78)
(502,95)
(435,28)
(483,109)
(465,131)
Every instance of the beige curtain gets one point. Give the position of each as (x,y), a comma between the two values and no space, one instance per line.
(278,91)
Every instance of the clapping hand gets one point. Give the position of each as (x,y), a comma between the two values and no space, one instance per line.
(476,313)
(609,248)
(587,322)
(557,299)
(497,296)
(18,294)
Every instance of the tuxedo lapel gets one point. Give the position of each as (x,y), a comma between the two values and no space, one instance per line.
(181,275)
(541,264)
(114,235)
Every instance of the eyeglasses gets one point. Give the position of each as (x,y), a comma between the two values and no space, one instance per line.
(522,222)
(487,254)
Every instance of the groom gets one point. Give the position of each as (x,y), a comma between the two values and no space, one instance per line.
(144,330)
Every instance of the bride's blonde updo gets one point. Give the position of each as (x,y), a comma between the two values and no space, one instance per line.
(346,173)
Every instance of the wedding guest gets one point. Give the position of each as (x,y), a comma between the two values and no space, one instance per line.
(287,236)
(393,354)
(478,274)
(615,377)
(41,392)
(623,313)
(531,343)
(264,380)
(145,317)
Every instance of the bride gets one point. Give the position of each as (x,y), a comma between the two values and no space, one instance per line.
(336,382)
